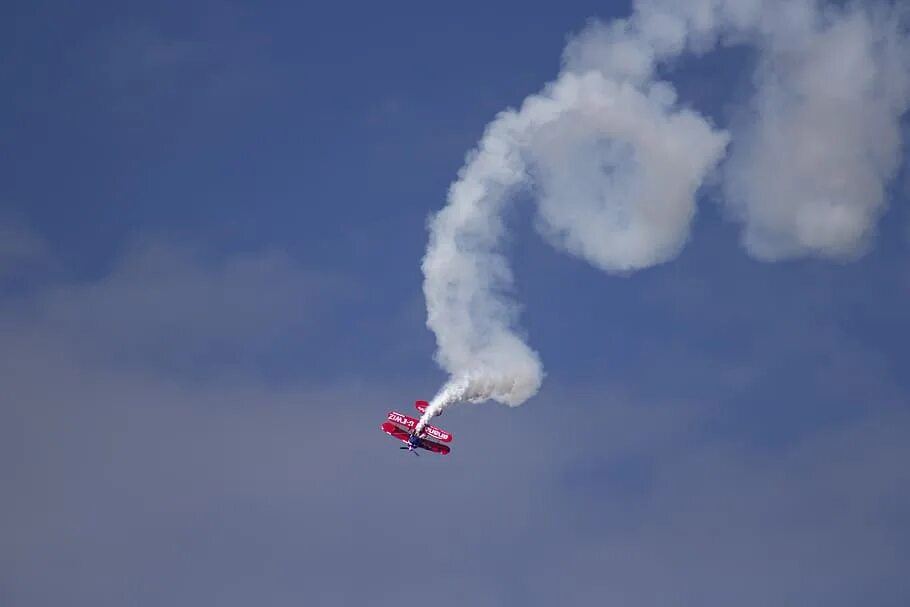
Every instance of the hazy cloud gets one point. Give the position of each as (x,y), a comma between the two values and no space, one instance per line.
(178,307)
(21,250)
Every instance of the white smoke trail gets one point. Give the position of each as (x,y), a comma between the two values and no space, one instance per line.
(614,163)
(822,139)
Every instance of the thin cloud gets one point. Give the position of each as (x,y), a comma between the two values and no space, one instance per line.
(177,306)
(21,250)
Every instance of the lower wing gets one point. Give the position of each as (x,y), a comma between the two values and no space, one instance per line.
(433,446)
(394,431)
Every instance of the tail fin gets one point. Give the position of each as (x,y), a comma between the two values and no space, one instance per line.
(422,405)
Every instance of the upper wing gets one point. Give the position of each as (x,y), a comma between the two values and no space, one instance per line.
(396,432)
(438,434)
(409,423)
(401,420)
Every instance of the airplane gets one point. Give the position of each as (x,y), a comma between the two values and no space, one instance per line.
(401,427)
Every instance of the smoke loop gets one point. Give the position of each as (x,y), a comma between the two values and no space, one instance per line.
(614,163)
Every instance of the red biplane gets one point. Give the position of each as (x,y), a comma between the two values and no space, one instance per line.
(402,427)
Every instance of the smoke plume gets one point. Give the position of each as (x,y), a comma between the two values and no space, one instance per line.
(614,163)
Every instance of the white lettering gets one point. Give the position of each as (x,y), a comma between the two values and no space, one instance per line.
(408,422)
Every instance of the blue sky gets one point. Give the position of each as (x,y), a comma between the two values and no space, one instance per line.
(212,218)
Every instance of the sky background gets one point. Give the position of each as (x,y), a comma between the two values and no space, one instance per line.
(212,217)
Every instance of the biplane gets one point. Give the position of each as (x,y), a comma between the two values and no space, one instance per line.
(403,427)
